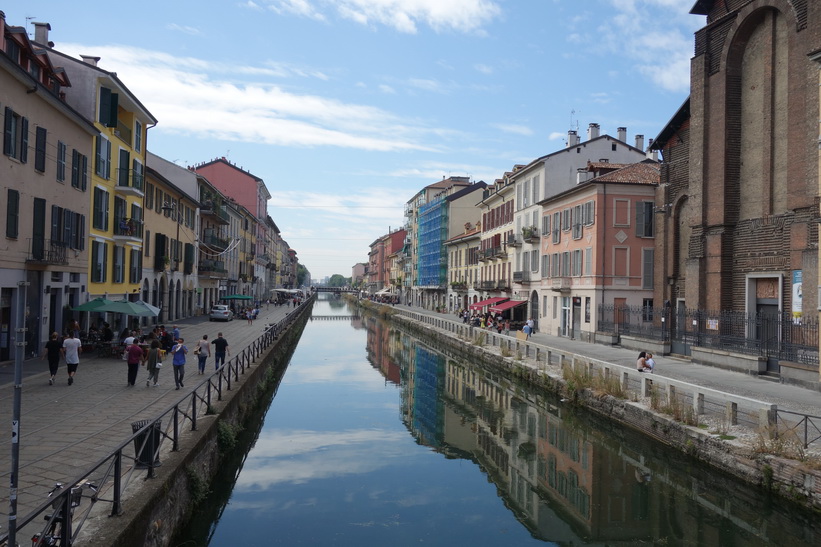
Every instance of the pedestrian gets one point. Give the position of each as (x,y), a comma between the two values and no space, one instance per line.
(532,324)
(249,316)
(507,327)
(72,348)
(134,355)
(650,362)
(526,330)
(176,332)
(641,362)
(153,362)
(203,352)
(179,351)
(220,350)
(52,353)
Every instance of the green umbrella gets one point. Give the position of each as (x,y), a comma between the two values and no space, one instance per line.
(124,306)
(94,305)
(236,297)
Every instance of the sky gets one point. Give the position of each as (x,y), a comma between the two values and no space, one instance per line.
(347,108)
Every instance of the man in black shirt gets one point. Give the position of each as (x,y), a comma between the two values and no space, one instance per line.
(220,350)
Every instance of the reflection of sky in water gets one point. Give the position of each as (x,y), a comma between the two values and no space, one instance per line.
(335,465)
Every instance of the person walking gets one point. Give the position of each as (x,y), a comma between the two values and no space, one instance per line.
(153,362)
(52,353)
(203,352)
(134,355)
(175,332)
(220,350)
(179,351)
(250,316)
(72,348)
(532,324)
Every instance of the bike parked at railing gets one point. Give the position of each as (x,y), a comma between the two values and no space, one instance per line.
(58,528)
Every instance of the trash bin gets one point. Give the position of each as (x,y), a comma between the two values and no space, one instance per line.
(147,443)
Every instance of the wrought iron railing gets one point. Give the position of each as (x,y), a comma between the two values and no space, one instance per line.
(114,473)
(47,251)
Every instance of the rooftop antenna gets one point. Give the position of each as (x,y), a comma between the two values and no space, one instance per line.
(572,126)
(30,19)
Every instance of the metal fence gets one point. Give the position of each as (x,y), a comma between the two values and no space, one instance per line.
(112,474)
(780,336)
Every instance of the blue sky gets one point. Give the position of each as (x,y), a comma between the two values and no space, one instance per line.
(346,108)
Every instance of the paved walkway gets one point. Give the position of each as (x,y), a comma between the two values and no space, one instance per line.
(787,397)
(66,429)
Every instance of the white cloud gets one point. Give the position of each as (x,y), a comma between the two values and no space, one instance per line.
(195,97)
(384,88)
(193,31)
(484,69)
(513,128)
(426,84)
(466,16)
(556,135)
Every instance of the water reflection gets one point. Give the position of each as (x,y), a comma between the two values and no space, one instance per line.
(567,477)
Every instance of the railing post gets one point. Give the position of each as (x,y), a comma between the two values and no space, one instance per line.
(194,410)
(731,413)
(176,417)
(646,385)
(698,403)
(767,417)
(117,494)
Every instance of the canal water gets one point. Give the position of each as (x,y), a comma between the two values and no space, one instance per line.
(372,437)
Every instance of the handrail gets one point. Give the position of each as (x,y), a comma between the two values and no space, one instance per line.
(109,478)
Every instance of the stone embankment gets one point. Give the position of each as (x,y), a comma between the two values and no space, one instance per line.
(747,451)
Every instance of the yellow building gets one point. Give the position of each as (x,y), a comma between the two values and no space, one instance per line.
(117,170)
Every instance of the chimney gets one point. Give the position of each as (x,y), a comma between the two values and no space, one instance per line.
(41,33)
(572,138)
(640,142)
(622,132)
(652,154)
(89,60)
(592,131)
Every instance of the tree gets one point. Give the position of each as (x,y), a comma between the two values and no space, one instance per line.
(338,280)
(301,273)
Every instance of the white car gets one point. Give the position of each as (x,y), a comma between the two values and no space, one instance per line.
(221,312)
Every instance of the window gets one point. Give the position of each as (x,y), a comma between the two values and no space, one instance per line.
(555,265)
(647,309)
(40,149)
(621,212)
(147,244)
(15,136)
(588,261)
(102,158)
(566,264)
(647,259)
(566,220)
(135,271)
(557,235)
(535,190)
(13,214)
(577,262)
(138,136)
(99,250)
(149,196)
(13,50)
(526,194)
(61,161)
(137,175)
(99,219)
(577,222)
(586,309)
(545,265)
(613,147)
(644,219)
(546,224)
(118,275)
(534,260)
(79,170)
(589,214)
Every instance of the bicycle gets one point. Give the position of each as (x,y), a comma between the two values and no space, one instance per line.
(52,536)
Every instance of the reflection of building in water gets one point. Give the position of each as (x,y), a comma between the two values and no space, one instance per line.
(568,481)
(381,347)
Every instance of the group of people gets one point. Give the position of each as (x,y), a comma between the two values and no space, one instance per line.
(645,362)
(152,358)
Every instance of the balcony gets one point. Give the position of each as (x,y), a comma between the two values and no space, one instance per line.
(530,234)
(215,213)
(129,183)
(488,285)
(513,241)
(46,251)
(561,284)
(521,277)
(123,132)
(499,252)
(128,229)
(213,269)
(211,238)
(459,285)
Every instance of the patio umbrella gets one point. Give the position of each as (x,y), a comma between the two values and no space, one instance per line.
(126,307)
(150,311)
(93,305)
(236,297)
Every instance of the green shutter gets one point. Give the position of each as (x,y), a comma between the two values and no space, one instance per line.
(12,213)
(105,106)
(24,140)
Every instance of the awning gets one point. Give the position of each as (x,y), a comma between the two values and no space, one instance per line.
(507,305)
(490,301)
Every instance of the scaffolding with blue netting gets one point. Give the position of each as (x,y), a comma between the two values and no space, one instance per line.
(432,233)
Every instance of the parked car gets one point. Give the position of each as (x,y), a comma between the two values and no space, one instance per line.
(221,312)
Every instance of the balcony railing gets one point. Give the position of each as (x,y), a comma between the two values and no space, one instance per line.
(211,237)
(129,179)
(212,268)
(513,241)
(530,234)
(128,227)
(216,212)
(124,132)
(46,251)
(488,285)
(560,284)
(499,252)
(503,284)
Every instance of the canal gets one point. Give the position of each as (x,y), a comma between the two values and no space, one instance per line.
(372,437)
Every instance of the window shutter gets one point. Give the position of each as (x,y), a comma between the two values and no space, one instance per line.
(8,136)
(112,115)
(640,220)
(588,261)
(12,213)
(40,149)
(83,172)
(24,140)
(647,269)
(105,105)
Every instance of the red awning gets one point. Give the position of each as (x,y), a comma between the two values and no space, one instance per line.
(488,302)
(507,305)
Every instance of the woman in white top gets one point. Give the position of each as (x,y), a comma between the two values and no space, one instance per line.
(203,352)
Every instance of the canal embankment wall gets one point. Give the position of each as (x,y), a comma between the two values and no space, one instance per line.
(164,504)
(757,460)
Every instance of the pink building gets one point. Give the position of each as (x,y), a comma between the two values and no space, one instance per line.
(597,247)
